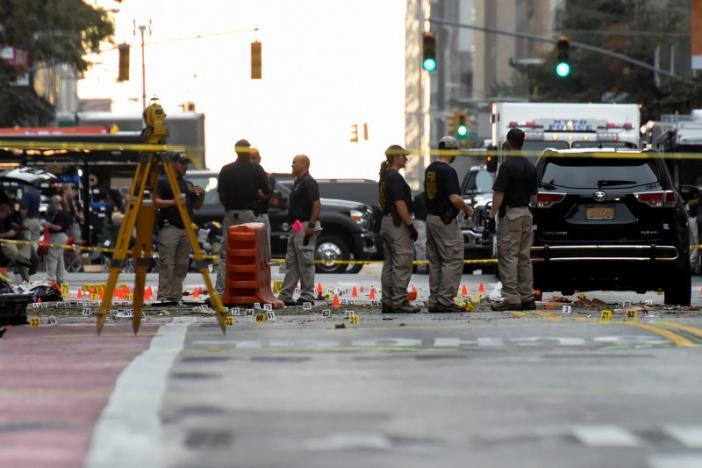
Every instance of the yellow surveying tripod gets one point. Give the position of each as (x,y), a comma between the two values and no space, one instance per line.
(141,213)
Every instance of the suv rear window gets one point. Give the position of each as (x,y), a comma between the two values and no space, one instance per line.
(590,173)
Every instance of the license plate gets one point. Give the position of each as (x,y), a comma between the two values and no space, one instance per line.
(599,212)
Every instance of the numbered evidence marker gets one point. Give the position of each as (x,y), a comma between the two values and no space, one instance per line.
(567,309)
(306,306)
(235,311)
(631,315)
(348,314)
(34,322)
(86,312)
(52,320)
(261,317)
(270,315)
(354,320)
(606,314)
(229,321)
(326,313)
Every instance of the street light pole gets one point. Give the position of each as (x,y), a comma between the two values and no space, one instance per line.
(142,30)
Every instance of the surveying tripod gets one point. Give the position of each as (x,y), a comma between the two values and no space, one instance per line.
(141,213)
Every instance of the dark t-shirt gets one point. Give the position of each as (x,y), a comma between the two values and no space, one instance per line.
(12,221)
(171,213)
(63,219)
(441,181)
(240,182)
(305,191)
(517,180)
(396,189)
(30,201)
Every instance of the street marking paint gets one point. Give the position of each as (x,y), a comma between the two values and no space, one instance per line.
(673,337)
(129,428)
(686,328)
(677,460)
(689,436)
(606,436)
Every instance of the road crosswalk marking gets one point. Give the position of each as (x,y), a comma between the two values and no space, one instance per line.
(689,436)
(606,436)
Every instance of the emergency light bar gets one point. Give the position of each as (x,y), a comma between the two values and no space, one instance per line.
(569,125)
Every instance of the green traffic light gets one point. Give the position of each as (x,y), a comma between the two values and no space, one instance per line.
(563,69)
(429,64)
(462,131)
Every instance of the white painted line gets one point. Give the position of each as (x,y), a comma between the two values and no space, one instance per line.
(689,436)
(128,432)
(606,436)
(678,460)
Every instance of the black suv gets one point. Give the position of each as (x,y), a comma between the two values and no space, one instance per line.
(478,230)
(347,225)
(610,220)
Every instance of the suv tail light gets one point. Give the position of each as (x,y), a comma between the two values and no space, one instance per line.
(660,199)
(544,200)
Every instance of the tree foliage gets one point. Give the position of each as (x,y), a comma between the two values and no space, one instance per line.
(631,27)
(53,32)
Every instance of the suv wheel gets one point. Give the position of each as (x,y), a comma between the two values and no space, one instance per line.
(329,249)
(679,293)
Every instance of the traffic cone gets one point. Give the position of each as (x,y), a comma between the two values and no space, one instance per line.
(412,295)
(481,288)
(371,295)
(464,291)
(320,290)
(79,294)
(336,303)
(196,292)
(354,292)
(148,293)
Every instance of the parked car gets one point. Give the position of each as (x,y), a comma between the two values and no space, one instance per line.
(608,222)
(478,230)
(347,225)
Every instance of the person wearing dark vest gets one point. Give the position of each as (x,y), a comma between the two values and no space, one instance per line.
(241,185)
(398,232)
(303,212)
(444,236)
(59,223)
(173,245)
(513,191)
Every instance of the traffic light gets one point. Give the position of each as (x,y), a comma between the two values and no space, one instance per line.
(256,61)
(491,159)
(429,52)
(123,72)
(563,67)
(462,128)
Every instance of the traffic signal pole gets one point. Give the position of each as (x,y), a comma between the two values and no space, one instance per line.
(551,40)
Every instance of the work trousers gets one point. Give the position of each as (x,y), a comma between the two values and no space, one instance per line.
(13,253)
(55,267)
(514,240)
(31,231)
(231,218)
(445,255)
(173,260)
(265,220)
(398,250)
(299,266)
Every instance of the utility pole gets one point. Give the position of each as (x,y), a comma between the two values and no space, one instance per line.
(142,29)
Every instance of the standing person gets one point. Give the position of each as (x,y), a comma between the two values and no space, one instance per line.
(59,223)
(513,191)
(303,211)
(264,201)
(31,225)
(238,185)
(399,234)
(444,237)
(173,245)
(70,197)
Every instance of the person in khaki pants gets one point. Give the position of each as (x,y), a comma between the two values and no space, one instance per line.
(173,244)
(399,234)
(303,210)
(513,191)
(444,237)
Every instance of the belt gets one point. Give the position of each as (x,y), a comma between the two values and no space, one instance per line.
(507,207)
(241,210)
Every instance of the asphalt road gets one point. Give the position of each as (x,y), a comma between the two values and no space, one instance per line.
(483,389)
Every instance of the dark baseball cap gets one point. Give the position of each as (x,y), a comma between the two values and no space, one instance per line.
(396,150)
